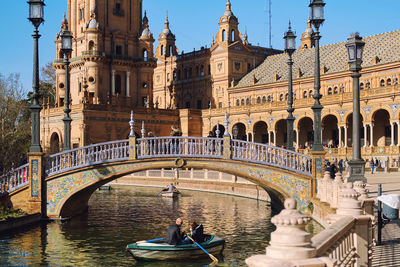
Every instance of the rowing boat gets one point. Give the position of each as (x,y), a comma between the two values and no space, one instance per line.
(159,251)
(170,194)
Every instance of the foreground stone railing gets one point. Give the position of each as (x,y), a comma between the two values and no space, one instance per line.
(14,179)
(347,241)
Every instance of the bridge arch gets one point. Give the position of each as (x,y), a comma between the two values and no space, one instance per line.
(69,193)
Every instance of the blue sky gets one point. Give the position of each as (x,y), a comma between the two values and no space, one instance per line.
(195,23)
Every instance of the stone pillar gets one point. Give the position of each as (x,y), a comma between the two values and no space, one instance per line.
(73,17)
(372,135)
(269,138)
(345,135)
(227,147)
(318,168)
(359,187)
(87,12)
(392,133)
(337,185)
(128,93)
(274,133)
(325,188)
(113,82)
(365,135)
(37,201)
(398,133)
(132,139)
(297,138)
(340,137)
(290,242)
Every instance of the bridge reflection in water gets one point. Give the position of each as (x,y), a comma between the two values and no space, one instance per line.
(118,217)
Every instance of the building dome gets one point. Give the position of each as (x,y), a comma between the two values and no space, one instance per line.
(228,14)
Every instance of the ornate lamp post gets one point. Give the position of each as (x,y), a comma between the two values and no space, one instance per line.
(355,47)
(66,49)
(290,47)
(36,17)
(317,18)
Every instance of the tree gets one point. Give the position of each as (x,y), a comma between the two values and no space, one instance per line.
(15,127)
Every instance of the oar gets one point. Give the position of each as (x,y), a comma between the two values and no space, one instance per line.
(148,241)
(211,256)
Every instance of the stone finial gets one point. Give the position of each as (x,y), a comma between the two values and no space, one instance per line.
(143,131)
(131,125)
(348,201)
(359,186)
(290,240)
(226,123)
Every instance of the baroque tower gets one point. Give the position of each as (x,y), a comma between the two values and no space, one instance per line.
(112,50)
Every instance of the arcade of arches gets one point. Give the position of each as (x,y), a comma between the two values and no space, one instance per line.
(380,131)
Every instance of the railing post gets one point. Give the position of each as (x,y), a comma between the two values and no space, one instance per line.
(317,169)
(37,187)
(228,148)
(132,148)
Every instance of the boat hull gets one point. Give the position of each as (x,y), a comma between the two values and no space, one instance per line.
(169,194)
(165,252)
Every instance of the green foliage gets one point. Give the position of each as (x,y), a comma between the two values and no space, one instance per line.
(15,126)
(6,213)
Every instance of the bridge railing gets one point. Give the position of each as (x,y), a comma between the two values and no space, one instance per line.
(178,146)
(14,179)
(86,156)
(271,155)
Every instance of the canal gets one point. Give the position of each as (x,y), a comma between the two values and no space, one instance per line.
(127,214)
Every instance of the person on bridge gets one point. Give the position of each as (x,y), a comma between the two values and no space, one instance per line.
(174,235)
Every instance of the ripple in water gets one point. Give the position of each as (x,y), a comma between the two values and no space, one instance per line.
(128,214)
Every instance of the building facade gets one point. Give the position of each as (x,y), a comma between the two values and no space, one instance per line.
(114,70)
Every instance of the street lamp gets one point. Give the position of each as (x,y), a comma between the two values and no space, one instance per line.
(66,50)
(355,46)
(36,17)
(290,47)
(317,18)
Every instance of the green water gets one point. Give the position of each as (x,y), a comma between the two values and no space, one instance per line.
(127,214)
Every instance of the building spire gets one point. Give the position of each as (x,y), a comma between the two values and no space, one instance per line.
(245,37)
(166,21)
(228,5)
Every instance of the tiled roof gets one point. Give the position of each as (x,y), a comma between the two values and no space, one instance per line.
(334,57)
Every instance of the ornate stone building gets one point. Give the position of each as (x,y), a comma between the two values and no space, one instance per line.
(111,72)
(197,79)
(114,70)
(259,100)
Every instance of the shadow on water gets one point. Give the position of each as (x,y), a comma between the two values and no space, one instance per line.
(125,215)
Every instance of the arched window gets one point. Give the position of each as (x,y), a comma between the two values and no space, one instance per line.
(185,71)
(118,84)
(382,83)
(162,50)
(233,35)
(361,86)
(258,100)
(264,100)
(242,102)
(223,35)
(281,97)
(202,70)
(310,93)
(329,91)
(171,51)
(237,102)
(197,71)
(248,101)
(305,94)
(178,75)
(144,54)
(91,46)
(368,85)
(335,90)
(389,82)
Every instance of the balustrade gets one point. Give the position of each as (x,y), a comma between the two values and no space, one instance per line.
(14,179)
(86,156)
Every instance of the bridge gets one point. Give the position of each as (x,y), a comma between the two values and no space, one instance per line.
(60,185)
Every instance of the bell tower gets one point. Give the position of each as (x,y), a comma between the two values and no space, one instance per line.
(166,43)
(306,37)
(228,27)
